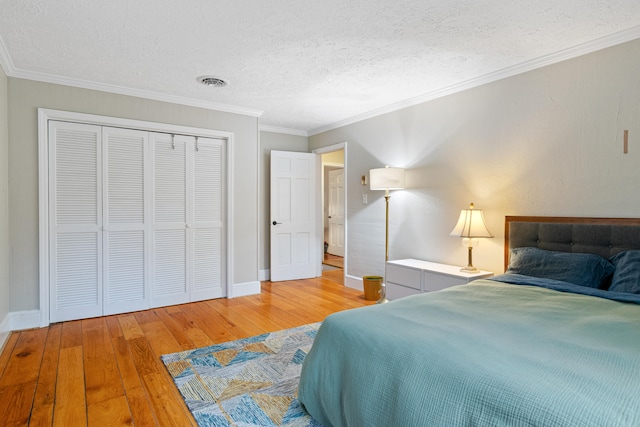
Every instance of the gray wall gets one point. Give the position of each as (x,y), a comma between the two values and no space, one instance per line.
(280,142)
(546,142)
(26,96)
(4,200)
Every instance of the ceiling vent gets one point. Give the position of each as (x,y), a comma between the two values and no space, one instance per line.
(212,81)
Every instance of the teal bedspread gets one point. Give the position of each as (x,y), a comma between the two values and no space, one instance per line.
(483,354)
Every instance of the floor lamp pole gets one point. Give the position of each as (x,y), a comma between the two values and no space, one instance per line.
(386,227)
(383,296)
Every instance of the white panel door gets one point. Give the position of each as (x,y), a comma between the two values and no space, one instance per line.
(336,212)
(169,236)
(207,258)
(126,283)
(295,245)
(75,221)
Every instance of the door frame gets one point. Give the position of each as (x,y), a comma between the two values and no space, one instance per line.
(319,202)
(44,115)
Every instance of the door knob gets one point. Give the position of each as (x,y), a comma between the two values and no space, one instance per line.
(276,223)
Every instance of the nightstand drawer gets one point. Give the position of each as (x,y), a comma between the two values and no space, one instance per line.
(436,282)
(407,277)
(396,291)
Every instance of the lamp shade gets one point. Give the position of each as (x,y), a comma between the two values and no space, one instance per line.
(471,224)
(386,178)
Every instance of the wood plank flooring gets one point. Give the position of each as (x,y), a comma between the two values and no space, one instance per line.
(107,371)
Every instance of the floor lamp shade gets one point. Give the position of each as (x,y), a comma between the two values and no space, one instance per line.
(386,178)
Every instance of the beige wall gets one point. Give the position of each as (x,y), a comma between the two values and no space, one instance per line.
(546,142)
(335,157)
(280,142)
(26,96)
(4,202)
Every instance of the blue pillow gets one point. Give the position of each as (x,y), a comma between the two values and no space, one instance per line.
(577,268)
(626,278)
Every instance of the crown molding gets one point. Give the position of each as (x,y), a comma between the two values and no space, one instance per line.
(121,90)
(287,131)
(523,67)
(12,71)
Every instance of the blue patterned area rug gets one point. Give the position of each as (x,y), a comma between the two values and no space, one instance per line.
(248,382)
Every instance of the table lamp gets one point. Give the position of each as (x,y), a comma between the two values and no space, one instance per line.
(470,227)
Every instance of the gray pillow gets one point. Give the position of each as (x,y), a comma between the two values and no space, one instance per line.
(578,268)
(626,278)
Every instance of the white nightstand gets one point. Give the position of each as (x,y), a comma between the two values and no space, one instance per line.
(412,276)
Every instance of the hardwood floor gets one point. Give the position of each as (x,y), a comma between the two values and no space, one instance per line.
(333,260)
(107,371)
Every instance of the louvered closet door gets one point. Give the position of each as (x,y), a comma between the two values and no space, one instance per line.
(169,236)
(126,285)
(208,218)
(75,221)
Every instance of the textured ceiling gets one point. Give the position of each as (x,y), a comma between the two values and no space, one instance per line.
(304,65)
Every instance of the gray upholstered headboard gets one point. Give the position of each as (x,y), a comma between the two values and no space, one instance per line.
(601,236)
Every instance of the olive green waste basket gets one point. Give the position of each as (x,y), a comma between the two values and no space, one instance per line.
(372,287)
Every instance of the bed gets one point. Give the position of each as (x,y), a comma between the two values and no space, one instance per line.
(555,341)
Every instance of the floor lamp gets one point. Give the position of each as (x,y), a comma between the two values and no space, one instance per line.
(386,179)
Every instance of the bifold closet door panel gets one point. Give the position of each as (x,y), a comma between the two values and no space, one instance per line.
(208,219)
(126,284)
(136,219)
(169,229)
(75,221)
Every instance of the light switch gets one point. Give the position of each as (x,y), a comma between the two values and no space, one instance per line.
(364,199)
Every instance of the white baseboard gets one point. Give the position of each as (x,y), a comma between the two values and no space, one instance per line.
(5,330)
(264,275)
(244,289)
(353,282)
(21,320)
(18,321)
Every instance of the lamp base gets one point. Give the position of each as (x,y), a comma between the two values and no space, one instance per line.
(469,268)
(382,300)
